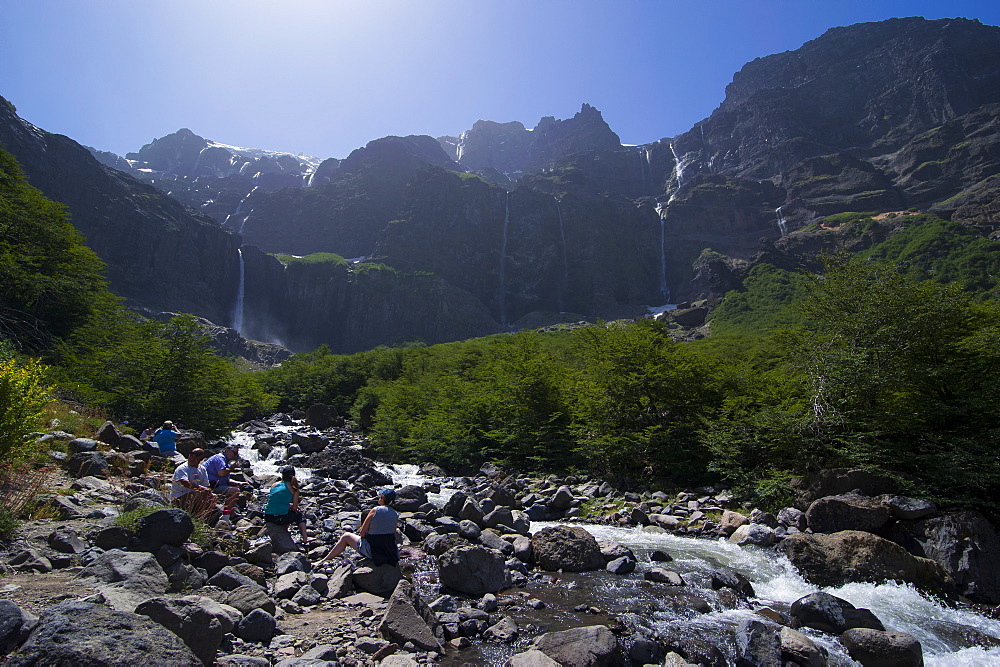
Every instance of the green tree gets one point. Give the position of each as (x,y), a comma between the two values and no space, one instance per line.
(23,397)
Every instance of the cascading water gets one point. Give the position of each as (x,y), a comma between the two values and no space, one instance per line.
(239,207)
(777,584)
(565,278)
(662,211)
(238,309)
(678,167)
(782,225)
(503,264)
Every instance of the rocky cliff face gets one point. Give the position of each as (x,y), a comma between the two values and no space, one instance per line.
(159,253)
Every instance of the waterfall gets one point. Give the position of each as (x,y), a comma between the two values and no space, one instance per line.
(239,207)
(503,264)
(238,309)
(678,167)
(565,258)
(197,161)
(782,225)
(663,254)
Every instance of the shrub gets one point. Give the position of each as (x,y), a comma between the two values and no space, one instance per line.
(23,398)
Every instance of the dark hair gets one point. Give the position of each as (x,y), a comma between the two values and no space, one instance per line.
(287,472)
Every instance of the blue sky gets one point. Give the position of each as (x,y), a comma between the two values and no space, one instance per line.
(323,77)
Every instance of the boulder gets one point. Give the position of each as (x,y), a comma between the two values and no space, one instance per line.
(828,613)
(126,578)
(409,619)
(455,503)
(84,464)
(837,481)
(410,498)
(966,545)
(112,537)
(15,625)
(248,598)
(662,576)
(436,545)
(258,626)
(171,526)
(309,443)
(146,498)
(199,621)
(562,499)
(530,658)
(473,570)
(292,562)
(590,646)
(798,649)
(877,648)
(850,511)
(909,509)
(726,578)
(340,583)
(571,549)
(376,579)
(758,643)
(731,521)
(505,630)
(78,445)
(792,517)
(228,579)
(321,416)
(623,565)
(80,633)
(108,434)
(66,541)
(850,555)
(753,534)
(612,550)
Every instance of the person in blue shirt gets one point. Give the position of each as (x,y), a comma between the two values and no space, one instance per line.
(377,537)
(282,507)
(218,475)
(166,438)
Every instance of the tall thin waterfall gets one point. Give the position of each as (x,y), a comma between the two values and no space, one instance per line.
(238,309)
(782,225)
(663,255)
(678,167)
(503,264)
(565,258)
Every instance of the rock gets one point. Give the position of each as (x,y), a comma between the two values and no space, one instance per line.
(310,443)
(212,562)
(469,530)
(623,565)
(289,584)
(694,643)
(31,560)
(15,625)
(321,417)
(758,643)
(877,648)
(836,481)
(501,516)
(491,540)
(258,626)
(798,649)
(488,603)
(612,550)
(112,537)
(78,445)
(431,470)
(171,526)
(571,549)
(661,576)
(471,511)
(561,500)
(828,613)
(261,554)
(376,579)
(147,498)
(472,570)
(731,521)
(80,633)
(455,503)
(307,596)
(438,544)
(292,562)
(199,621)
(725,578)
(229,579)
(530,658)
(126,578)
(84,464)
(667,521)
(410,498)
(409,619)
(966,545)
(832,560)
(341,582)
(753,534)
(66,507)
(909,509)
(793,518)
(522,548)
(846,512)
(248,598)
(646,651)
(505,630)
(657,556)
(590,646)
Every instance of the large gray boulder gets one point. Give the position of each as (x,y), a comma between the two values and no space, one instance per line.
(847,512)
(591,646)
(966,545)
(473,570)
(80,633)
(828,613)
(258,626)
(409,498)
(758,643)
(126,578)
(571,549)
(409,619)
(876,648)
(199,621)
(376,579)
(837,481)
(851,555)
(15,624)
(171,526)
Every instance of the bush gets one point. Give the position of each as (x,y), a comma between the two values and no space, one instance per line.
(23,397)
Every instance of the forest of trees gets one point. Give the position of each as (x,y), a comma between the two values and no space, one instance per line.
(887,359)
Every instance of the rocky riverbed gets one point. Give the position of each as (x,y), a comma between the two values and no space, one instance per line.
(496,569)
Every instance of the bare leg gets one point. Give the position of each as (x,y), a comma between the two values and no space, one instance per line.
(346,540)
(302,531)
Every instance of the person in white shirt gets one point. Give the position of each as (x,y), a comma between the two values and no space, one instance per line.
(190,484)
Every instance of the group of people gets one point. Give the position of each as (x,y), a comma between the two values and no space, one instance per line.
(198,482)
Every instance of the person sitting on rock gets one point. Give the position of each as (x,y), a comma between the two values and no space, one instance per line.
(189,489)
(377,538)
(218,475)
(282,510)
(166,438)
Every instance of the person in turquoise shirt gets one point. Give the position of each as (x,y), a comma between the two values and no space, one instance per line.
(282,507)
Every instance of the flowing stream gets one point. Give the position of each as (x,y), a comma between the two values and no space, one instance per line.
(649,608)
